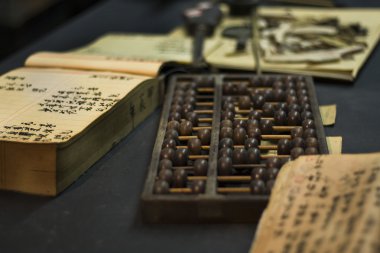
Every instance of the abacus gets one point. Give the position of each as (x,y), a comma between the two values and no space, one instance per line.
(221,142)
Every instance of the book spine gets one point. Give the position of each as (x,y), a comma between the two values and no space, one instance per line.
(2,165)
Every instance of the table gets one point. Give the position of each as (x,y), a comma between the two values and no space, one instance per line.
(100,212)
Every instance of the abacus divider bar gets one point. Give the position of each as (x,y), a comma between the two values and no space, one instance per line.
(211,183)
(263,136)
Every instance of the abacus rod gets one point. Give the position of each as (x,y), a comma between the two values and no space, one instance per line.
(194,157)
(236,166)
(223,178)
(262,147)
(220,190)
(263,136)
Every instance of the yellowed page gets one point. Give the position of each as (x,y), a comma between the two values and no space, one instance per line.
(347,69)
(137,54)
(328,203)
(52,106)
(328,114)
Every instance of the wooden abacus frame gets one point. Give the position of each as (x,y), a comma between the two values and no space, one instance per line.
(210,206)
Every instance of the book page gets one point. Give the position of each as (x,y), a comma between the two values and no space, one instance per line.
(324,204)
(138,54)
(52,106)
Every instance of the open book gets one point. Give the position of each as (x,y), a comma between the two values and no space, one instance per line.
(128,53)
(54,124)
(63,111)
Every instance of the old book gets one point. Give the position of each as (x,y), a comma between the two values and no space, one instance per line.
(128,53)
(328,203)
(54,123)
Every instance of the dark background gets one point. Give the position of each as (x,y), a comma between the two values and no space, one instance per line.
(100,212)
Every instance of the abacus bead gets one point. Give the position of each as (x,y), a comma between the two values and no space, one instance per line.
(282,106)
(186,108)
(239,123)
(255,115)
(278,85)
(258,101)
(259,173)
(226,132)
(229,106)
(266,126)
(198,186)
(298,142)
(165,164)
(310,132)
(284,146)
(251,143)
(191,92)
(194,146)
(185,128)
(296,132)
(173,124)
(270,184)
(257,187)
(167,153)
(294,107)
(239,156)
(239,136)
(161,187)
(179,92)
(190,100)
(226,123)
(179,178)
(253,156)
(200,167)
(175,108)
(181,156)
(278,95)
(311,151)
(302,92)
(228,88)
(291,99)
(224,166)
(175,116)
(228,115)
(301,85)
(290,92)
(306,107)
(242,88)
(193,118)
(252,123)
(169,143)
(272,173)
(244,102)
(280,118)
(294,118)
(306,115)
(296,152)
(171,134)
(311,142)
(268,94)
(226,143)
(304,100)
(254,133)
(166,175)
(273,162)
(308,123)
(205,136)
(225,152)
(268,110)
